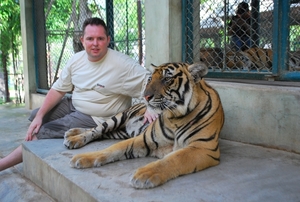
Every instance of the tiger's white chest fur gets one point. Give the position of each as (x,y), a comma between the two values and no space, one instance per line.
(135,125)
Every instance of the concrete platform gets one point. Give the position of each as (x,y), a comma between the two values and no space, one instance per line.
(246,173)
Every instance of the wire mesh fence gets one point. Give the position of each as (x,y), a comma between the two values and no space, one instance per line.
(229,36)
(237,36)
(293,62)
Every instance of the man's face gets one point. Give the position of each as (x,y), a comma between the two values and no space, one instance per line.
(95,42)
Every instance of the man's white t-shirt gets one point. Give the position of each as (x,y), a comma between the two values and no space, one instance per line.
(104,88)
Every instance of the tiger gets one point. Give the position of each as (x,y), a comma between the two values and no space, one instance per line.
(184,137)
(212,57)
(252,58)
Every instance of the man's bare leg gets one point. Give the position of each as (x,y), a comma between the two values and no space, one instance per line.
(13,158)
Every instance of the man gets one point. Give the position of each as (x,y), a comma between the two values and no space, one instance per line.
(103,80)
(240,28)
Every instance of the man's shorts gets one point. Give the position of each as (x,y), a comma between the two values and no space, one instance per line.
(61,118)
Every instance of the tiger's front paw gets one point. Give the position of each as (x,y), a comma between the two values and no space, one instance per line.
(87,160)
(144,178)
(75,138)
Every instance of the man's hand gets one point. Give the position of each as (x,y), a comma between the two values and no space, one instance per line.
(33,128)
(52,98)
(149,116)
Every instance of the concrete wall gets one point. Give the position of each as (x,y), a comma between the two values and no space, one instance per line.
(257,114)
(163,31)
(261,114)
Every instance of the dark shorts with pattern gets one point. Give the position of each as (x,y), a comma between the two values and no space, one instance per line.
(61,118)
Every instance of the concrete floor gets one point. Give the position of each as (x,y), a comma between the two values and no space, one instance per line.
(14,187)
(246,173)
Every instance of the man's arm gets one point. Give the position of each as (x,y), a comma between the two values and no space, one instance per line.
(52,98)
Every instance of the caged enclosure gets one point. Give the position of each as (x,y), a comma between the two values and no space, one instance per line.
(255,39)
(250,39)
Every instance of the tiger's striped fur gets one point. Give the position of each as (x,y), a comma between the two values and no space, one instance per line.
(260,58)
(252,58)
(184,136)
(237,60)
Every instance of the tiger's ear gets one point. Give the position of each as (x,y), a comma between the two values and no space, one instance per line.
(152,67)
(198,70)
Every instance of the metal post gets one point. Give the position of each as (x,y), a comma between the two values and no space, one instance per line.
(110,22)
(280,36)
(255,23)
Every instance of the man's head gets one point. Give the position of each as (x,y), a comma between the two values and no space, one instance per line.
(94,21)
(243,7)
(95,39)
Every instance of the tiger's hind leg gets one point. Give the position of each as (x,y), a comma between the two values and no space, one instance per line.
(121,126)
(78,137)
(128,149)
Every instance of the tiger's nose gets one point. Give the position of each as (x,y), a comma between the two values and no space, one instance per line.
(148,97)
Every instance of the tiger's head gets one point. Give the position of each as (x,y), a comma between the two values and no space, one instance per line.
(171,87)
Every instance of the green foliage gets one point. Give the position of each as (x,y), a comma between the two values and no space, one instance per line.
(203,1)
(295,38)
(10,39)
(57,19)
(10,28)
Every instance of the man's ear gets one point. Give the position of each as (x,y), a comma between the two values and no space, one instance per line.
(81,39)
